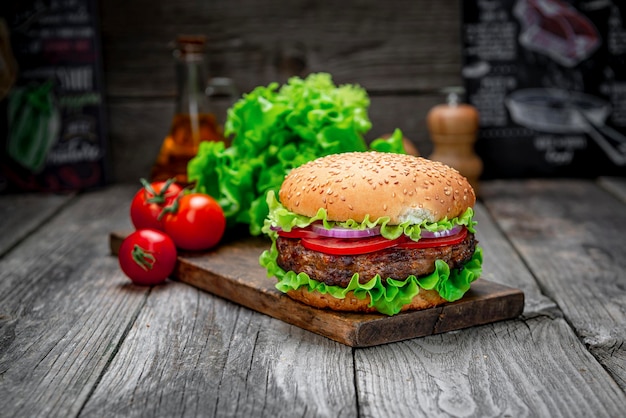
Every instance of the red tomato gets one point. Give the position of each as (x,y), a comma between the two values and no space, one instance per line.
(197,224)
(150,201)
(147,256)
(436,242)
(347,246)
(298,233)
(355,246)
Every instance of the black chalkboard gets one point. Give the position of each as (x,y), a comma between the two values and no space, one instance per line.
(53,135)
(548,78)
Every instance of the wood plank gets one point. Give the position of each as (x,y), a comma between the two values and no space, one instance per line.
(503,264)
(64,308)
(402,51)
(532,367)
(569,236)
(233,272)
(615,185)
(22,214)
(385,46)
(190,353)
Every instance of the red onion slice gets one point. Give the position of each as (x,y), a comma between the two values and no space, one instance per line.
(339,232)
(441,234)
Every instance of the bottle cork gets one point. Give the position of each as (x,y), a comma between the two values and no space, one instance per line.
(453,128)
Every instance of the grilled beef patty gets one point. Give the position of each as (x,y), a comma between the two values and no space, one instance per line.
(395,263)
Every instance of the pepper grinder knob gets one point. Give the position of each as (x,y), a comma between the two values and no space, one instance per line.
(453,128)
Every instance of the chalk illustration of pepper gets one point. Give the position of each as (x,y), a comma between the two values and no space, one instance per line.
(34,123)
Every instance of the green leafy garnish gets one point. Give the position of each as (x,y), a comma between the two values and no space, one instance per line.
(387,298)
(275,130)
(281,217)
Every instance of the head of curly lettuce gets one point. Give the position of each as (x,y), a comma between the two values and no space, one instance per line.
(275,130)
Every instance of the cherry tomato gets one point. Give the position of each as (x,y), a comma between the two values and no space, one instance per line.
(147,256)
(150,201)
(198,222)
(436,242)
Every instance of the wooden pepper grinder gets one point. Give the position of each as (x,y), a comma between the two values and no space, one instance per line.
(453,128)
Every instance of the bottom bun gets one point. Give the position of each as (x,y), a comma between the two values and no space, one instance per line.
(425,299)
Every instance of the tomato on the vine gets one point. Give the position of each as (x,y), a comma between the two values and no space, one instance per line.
(150,200)
(196,222)
(147,256)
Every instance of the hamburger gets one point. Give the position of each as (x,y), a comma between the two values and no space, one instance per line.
(373,232)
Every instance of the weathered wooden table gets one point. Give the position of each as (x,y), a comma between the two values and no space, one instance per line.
(77,339)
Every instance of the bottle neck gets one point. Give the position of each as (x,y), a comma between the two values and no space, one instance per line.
(191,76)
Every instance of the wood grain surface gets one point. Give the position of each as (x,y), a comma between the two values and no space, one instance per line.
(77,339)
(22,214)
(63,308)
(571,235)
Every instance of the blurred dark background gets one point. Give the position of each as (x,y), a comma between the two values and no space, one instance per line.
(404,52)
(407,54)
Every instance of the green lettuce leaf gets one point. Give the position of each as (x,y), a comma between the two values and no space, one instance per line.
(274,130)
(279,216)
(387,298)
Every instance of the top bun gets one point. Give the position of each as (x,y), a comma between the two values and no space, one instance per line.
(356,184)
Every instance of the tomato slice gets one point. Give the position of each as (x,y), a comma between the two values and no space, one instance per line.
(355,246)
(346,246)
(298,233)
(435,242)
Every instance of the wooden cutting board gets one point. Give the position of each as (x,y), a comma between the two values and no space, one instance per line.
(232,271)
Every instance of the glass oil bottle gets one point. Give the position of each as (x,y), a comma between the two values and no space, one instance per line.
(193,121)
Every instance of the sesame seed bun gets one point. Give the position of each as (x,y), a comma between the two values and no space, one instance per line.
(354,185)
